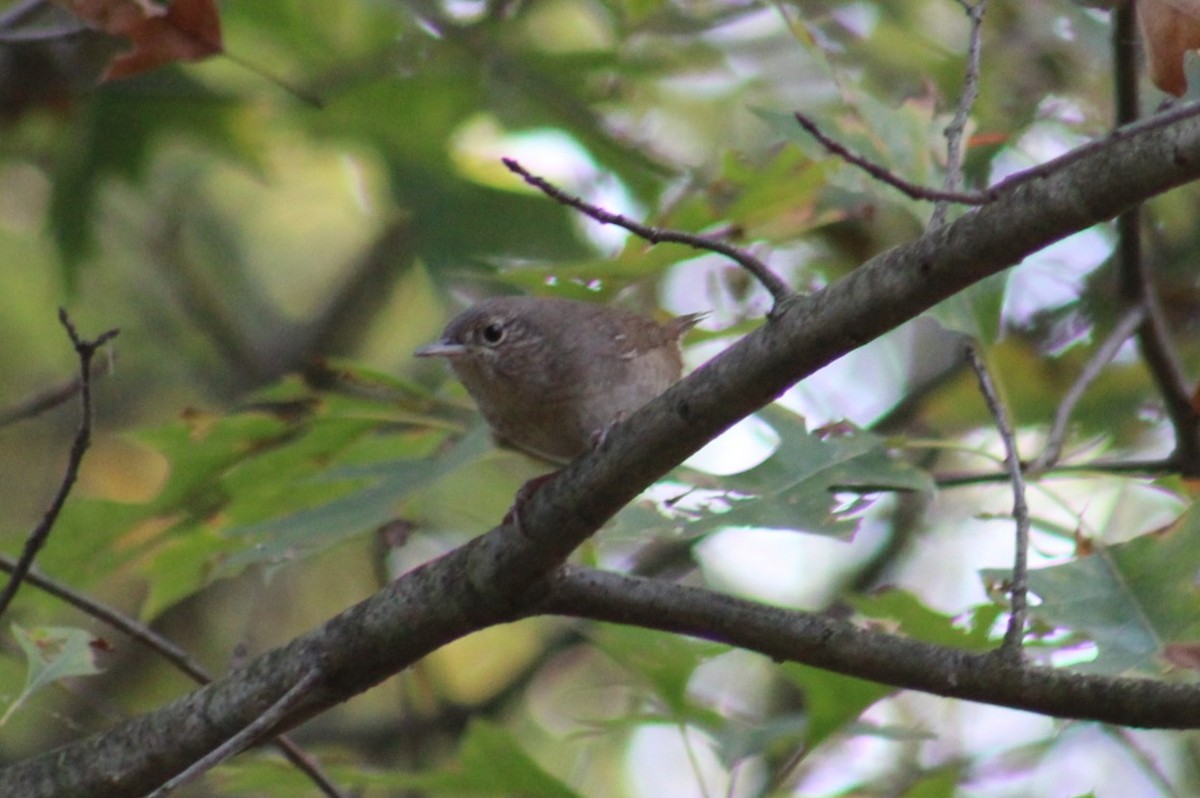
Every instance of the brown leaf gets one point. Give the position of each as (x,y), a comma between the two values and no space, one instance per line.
(99,644)
(1084,545)
(1169,29)
(186,30)
(1182,655)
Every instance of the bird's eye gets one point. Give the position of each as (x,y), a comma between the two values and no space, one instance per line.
(493,333)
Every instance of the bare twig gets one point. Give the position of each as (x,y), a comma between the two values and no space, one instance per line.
(1143,758)
(244,738)
(169,651)
(1163,363)
(1136,285)
(306,96)
(19,12)
(778,289)
(966,101)
(885,175)
(1015,634)
(1161,120)
(85,350)
(115,619)
(39,403)
(1122,133)
(35,35)
(1104,354)
(1144,467)
(48,399)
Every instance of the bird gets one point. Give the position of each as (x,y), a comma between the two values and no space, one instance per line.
(551,376)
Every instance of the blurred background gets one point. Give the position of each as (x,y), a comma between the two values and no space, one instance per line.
(276,229)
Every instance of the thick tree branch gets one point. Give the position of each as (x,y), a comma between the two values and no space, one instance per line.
(502,575)
(840,646)
(171,652)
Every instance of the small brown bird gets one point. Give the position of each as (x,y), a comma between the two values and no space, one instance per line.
(551,375)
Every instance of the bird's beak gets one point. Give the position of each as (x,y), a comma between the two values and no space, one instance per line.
(441,349)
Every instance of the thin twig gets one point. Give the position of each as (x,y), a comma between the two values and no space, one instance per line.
(1091,371)
(775,285)
(913,190)
(21,11)
(45,400)
(115,619)
(1143,467)
(35,35)
(1143,758)
(1015,634)
(244,738)
(169,651)
(1163,362)
(39,403)
(1122,133)
(18,24)
(1041,171)
(85,350)
(1136,285)
(966,101)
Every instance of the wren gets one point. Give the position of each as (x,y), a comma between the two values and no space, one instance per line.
(551,376)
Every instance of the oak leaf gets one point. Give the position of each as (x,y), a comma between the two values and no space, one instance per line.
(1169,29)
(184,30)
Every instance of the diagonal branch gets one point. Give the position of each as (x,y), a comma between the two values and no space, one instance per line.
(508,573)
(775,285)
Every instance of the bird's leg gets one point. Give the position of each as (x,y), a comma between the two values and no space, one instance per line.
(513,516)
(600,436)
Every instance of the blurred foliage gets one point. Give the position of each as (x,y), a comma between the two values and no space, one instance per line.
(270,452)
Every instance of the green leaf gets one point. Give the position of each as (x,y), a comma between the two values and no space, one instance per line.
(879,132)
(52,653)
(665,662)
(737,742)
(294,473)
(119,131)
(833,701)
(1130,599)
(367,496)
(922,623)
(491,762)
(942,783)
(795,487)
